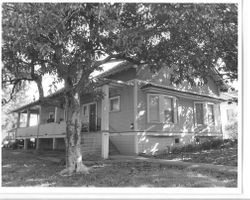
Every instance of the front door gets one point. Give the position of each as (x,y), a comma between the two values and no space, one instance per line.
(92,117)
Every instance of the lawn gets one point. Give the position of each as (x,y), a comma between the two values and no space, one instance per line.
(213,156)
(25,169)
(228,155)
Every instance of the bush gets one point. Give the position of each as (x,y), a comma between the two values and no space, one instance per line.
(232,130)
(210,144)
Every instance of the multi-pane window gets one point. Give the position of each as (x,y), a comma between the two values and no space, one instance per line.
(114,104)
(168,109)
(154,114)
(210,113)
(199,113)
(204,113)
(162,108)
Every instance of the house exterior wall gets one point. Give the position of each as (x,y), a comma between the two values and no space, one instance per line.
(91,143)
(125,143)
(121,120)
(158,137)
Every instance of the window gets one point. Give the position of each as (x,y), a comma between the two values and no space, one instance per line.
(210,113)
(154,108)
(168,109)
(114,104)
(177,140)
(85,110)
(204,113)
(199,113)
(161,108)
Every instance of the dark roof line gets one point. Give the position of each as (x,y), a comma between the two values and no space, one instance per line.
(147,85)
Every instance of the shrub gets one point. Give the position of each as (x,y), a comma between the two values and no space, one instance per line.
(215,144)
(232,130)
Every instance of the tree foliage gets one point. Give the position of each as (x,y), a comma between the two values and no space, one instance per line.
(192,37)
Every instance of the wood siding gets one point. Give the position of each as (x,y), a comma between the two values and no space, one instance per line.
(91,143)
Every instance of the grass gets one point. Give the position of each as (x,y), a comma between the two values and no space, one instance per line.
(227,155)
(213,156)
(24,169)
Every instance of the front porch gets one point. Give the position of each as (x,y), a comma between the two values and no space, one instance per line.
(45,120)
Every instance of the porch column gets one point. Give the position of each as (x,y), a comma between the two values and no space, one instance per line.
(25,144)
(18,120)
(28,118)
(54,143)
(56,115)
(38,127)
(136,115)
(105,122)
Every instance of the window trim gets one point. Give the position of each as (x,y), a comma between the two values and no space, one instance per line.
(209,103)
(119,102)
(88,105)
(205,113)
(195,120)
(148,118)
(161,114)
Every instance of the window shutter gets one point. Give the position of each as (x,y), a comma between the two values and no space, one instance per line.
(175,101)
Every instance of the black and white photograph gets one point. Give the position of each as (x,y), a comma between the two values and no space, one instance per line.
(121,98)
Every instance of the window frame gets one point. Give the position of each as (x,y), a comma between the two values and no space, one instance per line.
(209,103)
(148,113)
(119,103)
(161,107)
(88,107)
(195,119)
(205,113)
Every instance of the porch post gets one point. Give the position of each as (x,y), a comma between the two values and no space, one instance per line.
(38,126)
(54,143)
(136,115)
(25,144)
(28,118)
(18,120)
(105,122)
(56,115)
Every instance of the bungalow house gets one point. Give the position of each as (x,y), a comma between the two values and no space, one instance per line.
(141,112)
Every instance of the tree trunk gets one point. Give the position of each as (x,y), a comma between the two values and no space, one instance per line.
(39,87)
(74,162)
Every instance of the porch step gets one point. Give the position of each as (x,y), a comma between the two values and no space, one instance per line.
(113,149)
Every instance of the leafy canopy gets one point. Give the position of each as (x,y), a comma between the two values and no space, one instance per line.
(72,40)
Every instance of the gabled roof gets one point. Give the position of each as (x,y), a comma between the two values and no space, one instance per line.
(124,65)
(120,67)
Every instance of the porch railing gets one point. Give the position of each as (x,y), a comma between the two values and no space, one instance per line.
(42,130)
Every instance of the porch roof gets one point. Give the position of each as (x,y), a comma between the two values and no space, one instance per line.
(56,96)
(34,104)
